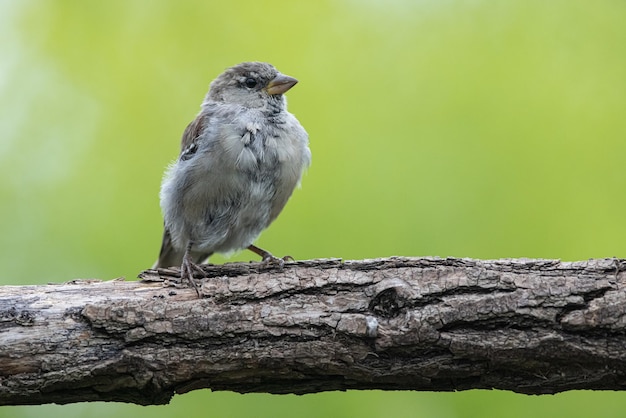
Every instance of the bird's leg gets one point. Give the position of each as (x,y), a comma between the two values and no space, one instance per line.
(188,268)
(268,258)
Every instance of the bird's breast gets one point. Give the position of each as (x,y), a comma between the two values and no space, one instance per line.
(252,149)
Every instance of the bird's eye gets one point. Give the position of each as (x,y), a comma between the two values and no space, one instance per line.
(250,82)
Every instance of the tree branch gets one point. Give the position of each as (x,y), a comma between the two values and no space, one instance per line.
(530,326)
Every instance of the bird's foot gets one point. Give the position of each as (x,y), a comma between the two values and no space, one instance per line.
(271,261)
(187,270)
(268,260)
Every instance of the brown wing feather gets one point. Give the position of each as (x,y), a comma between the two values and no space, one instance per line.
(193,131)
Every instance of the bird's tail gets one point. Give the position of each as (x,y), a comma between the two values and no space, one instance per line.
(170,256)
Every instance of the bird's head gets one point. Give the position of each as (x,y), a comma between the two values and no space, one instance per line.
(252,85)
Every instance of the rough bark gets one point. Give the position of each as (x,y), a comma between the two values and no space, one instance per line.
(530,326)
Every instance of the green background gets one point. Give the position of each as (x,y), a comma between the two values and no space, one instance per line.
(438,127)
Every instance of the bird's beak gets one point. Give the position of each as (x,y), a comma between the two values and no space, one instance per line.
(280,84)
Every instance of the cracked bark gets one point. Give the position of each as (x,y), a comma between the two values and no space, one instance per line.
(530,326)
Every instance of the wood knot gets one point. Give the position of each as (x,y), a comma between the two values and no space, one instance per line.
(24,317)
(387,303)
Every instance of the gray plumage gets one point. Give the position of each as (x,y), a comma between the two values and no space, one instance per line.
(240,160)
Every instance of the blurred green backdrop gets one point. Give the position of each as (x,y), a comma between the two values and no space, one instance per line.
(450,128)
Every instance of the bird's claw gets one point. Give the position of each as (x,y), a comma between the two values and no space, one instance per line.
(269,261)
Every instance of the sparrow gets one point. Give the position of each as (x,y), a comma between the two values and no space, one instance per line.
(240,160)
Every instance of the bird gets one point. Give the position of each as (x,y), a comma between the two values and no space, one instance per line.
(240,160)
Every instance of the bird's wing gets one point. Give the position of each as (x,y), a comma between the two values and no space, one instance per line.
(170,256)
(192,132)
